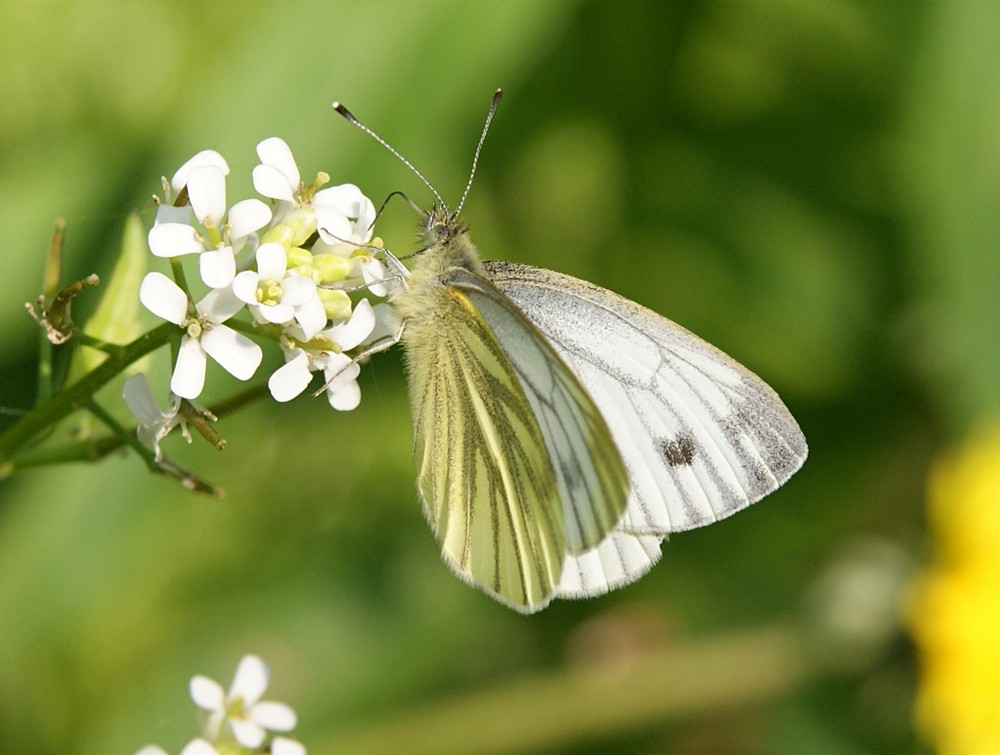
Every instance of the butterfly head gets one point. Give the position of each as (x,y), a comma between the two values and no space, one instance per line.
(439,225)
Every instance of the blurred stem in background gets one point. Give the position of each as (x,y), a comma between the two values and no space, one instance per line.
(596,700)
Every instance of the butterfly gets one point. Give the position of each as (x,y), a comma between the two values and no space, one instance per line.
(561,431)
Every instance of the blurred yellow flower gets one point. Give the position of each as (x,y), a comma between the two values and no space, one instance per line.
(955,613)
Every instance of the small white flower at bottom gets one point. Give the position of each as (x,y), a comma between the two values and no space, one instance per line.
(285,746)
(247,715)
(194,747)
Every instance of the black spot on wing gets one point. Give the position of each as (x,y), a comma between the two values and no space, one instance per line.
(679,451)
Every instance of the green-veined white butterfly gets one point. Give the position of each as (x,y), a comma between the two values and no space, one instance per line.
(561,431)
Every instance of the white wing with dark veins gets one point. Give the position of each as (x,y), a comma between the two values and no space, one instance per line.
(702,437)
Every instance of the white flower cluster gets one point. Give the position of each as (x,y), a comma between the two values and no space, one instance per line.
(289,261)
(239,721)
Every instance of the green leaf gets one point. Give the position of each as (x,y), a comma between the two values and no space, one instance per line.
(116,319)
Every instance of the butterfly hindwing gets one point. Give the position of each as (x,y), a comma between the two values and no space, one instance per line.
(619,559)
(702,436)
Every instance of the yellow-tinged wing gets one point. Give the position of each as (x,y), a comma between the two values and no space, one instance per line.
(589,472)
(515,465)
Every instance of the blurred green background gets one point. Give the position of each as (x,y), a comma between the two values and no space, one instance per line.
(809,184)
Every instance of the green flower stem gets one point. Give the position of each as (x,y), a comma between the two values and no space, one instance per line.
(50,287)
(50,411)
(164,466)
(95,449)
(97,343)
(120,434)
(90,450)
(259,330)
(177,270)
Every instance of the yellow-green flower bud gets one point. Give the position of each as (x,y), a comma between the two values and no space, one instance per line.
(336,303)
(332,267)
(301,261)
(280,234)
(302,222)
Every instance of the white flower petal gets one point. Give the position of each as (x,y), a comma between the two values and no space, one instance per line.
(237,354)
(250,680)
(311,316)
(188,378)
(247,733)
(247,216)
(174,240)
(199,747)
(355,330)
(272,261)
(333,227)
(153,425)
(344,397)
(245,286)
(219,304)
(273,716)
(207,192)
(274,152)
(139,399)
(336,366)
(373,272)
(346,199)
(205,157)
(168,213)
(217,267)
(271,182)
(212,728)
(151,435)
(337,247)
(286,746)
(342,390)
(152,750)
(279,313)
(297,290)
(386,323)
(163,298)
(207,693)
(365,222)
(290,380)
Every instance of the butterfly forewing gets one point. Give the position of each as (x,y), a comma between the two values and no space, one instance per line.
(589,472)
(483,472)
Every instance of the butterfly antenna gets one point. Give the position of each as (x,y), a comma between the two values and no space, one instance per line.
(349,117)
(479,148)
